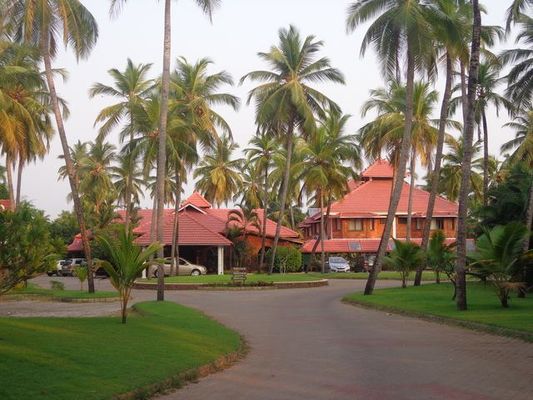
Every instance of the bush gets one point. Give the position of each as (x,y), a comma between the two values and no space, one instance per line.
(288,259)
(56,285)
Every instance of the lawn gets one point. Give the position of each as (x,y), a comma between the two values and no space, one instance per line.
(98,358)
(35,290)
(386,275)
(435,300)
(250,278)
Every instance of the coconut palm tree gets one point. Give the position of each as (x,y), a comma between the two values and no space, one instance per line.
(393,37)
(240,222)
(128,180)
(468,135)
(45,24)
(218,174)
(285,101)
(260,158)
(329,159)
(207,7)
(386,131)
(130,87)
(450,26)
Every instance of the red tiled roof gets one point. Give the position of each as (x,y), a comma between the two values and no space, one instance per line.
(5,204)
(76,245)
(191,233)
(197,200)
(379,169)
(356,245)
(373,197)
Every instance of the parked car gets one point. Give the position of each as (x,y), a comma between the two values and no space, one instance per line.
(67,267)
(185,268)
(338,264)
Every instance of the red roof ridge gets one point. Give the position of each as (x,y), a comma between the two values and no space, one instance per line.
(379,169)
(197,200)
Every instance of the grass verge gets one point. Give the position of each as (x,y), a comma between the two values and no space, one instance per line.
(386,275)
(162,346)
(434,302)
(60,295)
(251,279)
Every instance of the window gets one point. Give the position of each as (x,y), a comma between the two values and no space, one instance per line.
(453,223)
(338,224)
(402,220)
(440,223)
(372,225)
(419,224)
(356,225)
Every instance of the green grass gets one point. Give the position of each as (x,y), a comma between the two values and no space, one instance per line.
(250,278)
(34,290)
(435,300)
(98,358)
(386,275)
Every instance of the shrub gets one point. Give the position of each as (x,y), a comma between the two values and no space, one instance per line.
(288,259)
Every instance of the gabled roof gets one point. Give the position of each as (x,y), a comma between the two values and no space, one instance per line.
(361,245)
(197,200)
(381,169)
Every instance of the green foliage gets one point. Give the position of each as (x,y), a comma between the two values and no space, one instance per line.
(64,227)
(497,256)
(440,257)
(126,262)
(288,259)
(405,257)
(25,249)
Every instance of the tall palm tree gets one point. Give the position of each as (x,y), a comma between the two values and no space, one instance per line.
(393,37)
(385,133)
(44,24)
(207,7)
(130,88)
(128,180)
(219,174)
(468,134)
(449,24)
(260,157)
(285,101)
(330,158)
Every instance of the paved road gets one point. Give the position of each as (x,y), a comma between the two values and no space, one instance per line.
(307,345)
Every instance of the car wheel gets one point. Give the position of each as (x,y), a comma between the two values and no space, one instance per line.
(156,273)
(50,273)
(195,272)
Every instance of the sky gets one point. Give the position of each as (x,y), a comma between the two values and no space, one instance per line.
(240,29)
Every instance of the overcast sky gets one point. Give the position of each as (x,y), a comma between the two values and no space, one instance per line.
(240,29)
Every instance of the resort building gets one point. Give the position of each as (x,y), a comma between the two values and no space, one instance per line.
(356,222)
(202,233)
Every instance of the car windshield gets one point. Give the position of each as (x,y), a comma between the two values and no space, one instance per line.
(336,259)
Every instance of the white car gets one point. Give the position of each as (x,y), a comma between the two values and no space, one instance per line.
(338,264)
(185,268)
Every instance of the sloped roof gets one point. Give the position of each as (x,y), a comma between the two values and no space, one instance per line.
(379,169)
(5,204)
(197,200)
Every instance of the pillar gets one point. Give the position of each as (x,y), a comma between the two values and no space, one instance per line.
(220,260)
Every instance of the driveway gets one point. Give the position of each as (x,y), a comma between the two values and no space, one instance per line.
(307,345)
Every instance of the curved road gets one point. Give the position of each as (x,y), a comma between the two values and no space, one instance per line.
(307,345)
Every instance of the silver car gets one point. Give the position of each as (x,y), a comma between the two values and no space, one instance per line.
(338,264)
(185,268)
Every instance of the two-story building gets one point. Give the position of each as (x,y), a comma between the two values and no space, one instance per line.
(356,222)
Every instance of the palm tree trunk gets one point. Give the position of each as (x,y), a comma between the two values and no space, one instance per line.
(485,158)
(529,217)
(175,227)
(410,200)
(10,186)
(264,222)
(129,185)
(400,174)
(71,171)
(464,92)
(284,192)
(162,153)
(19,179)
(467,161)
(322,234)
(438,161)
(291,214)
